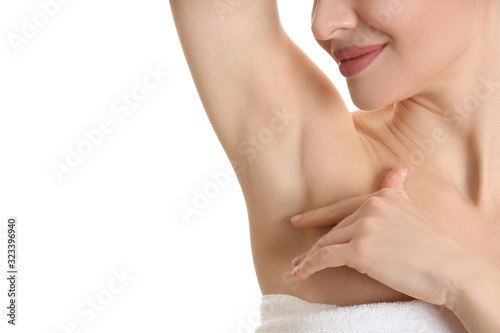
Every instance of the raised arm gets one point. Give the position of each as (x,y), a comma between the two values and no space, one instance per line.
(280,119)
(247,71)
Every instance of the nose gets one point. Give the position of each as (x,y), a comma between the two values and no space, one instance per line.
(330,16)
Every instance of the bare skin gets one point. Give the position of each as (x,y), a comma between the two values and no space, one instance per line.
(316,152)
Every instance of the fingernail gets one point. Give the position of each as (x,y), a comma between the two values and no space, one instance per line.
(404,173)
(296,218)
(295,270)
(295,261)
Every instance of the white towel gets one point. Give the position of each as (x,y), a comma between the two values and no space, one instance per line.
(281,313)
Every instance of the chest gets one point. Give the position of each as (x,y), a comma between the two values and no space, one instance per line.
(478,230)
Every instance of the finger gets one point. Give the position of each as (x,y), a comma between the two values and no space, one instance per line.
(334,213)
(329,215)
(340,234)
(327,257)
(395,179)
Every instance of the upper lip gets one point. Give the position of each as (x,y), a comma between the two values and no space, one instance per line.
(355,51)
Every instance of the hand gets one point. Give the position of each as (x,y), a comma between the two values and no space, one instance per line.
(389,238)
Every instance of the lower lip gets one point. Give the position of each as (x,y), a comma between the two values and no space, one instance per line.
(355,66)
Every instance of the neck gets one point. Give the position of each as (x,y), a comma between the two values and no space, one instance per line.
(452,126)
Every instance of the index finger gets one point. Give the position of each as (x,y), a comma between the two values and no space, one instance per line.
(331,214)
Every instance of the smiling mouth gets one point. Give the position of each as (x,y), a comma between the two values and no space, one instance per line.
(354,60)
(353,52)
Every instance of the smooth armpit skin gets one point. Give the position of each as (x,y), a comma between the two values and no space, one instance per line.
(291,139)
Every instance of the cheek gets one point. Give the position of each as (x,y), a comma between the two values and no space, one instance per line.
(429,32)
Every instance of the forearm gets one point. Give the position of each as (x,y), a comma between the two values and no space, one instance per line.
(476,300)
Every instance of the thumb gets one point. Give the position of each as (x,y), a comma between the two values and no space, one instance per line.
(395,180)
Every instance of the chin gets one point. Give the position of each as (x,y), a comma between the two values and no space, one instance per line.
(369,100)
(372,91)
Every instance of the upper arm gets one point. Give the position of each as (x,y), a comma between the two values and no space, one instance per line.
(248,72)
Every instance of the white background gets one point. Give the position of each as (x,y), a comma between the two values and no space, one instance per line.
(119,208)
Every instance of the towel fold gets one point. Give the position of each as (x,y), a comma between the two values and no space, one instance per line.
(281,313)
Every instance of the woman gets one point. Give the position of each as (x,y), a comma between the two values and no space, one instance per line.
(428,72)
